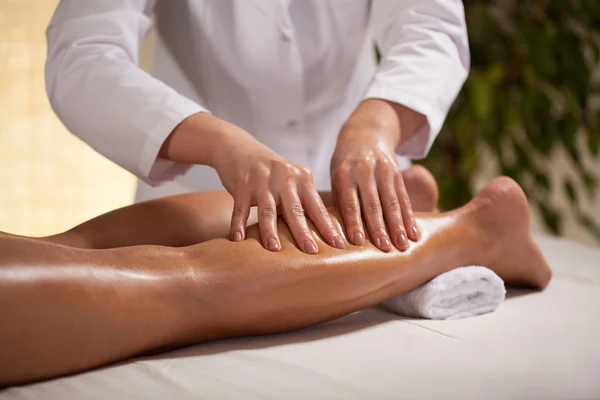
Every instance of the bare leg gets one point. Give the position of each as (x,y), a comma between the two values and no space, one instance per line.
(73,309)
(197,217)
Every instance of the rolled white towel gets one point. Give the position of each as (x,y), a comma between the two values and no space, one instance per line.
(459,293)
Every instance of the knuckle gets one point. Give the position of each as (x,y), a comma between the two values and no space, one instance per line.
(277,163)
(366,164)
(259,170)
(389,169)
(341,174)
(373,206)
(290,172)
(350,206)
(297,210)
(280,165)
(239,211)
(243,180)
(290,169)
(406,204)
(306,172)
(393,205)
(268,211)
(384,162)
(321,210)
(307,180)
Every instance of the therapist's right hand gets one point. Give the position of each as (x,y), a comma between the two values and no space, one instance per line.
(255,176)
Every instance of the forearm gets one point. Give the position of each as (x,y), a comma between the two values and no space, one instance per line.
(200,139)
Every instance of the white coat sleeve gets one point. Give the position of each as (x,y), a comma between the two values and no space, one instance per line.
(102,96)
(424,61)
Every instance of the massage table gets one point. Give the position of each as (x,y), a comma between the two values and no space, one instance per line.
(537,345)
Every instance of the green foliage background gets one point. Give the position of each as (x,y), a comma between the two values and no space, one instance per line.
(529,90)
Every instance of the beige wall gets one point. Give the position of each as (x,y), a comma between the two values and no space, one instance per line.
(50,181)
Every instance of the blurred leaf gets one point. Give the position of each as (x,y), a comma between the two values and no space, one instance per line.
(469,162)
(495,74)
(590,184)
(569,137)
(594,142)
(530,92)
(551,218)
(543,181)
(482,100)
(570,191)
(511,117)
(523,159)
(589,224)
(529,76)
(511,172)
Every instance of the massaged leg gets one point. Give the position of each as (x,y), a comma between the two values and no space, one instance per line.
(67,309)
(197,217)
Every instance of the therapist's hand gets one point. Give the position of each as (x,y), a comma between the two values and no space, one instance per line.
(255,176)
(366,177)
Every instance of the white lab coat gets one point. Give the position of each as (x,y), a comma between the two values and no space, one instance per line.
(290,72)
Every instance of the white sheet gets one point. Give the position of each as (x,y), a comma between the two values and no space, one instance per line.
(535,346)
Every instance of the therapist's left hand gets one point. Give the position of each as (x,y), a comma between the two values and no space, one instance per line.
(366,179)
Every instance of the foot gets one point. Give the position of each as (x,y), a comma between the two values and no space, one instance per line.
(501,211)
(422,188)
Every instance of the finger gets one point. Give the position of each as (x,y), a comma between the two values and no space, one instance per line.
(408,216)
(371,209)
(267,221)
(318,214)
(350,209)
(293,214)
(392,212)
(239,217)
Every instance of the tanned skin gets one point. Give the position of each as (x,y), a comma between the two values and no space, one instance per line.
(163,274)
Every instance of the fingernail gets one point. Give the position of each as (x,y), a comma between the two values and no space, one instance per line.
(358,239)
(384,243)
(272,244)
(339,243)
(403,242)
(416,233)
(237,236)
(309,247)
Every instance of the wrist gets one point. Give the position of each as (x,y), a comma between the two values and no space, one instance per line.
(373,121)
(391,123)
(187,143)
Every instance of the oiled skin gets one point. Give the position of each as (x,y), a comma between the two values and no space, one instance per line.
(68,306)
